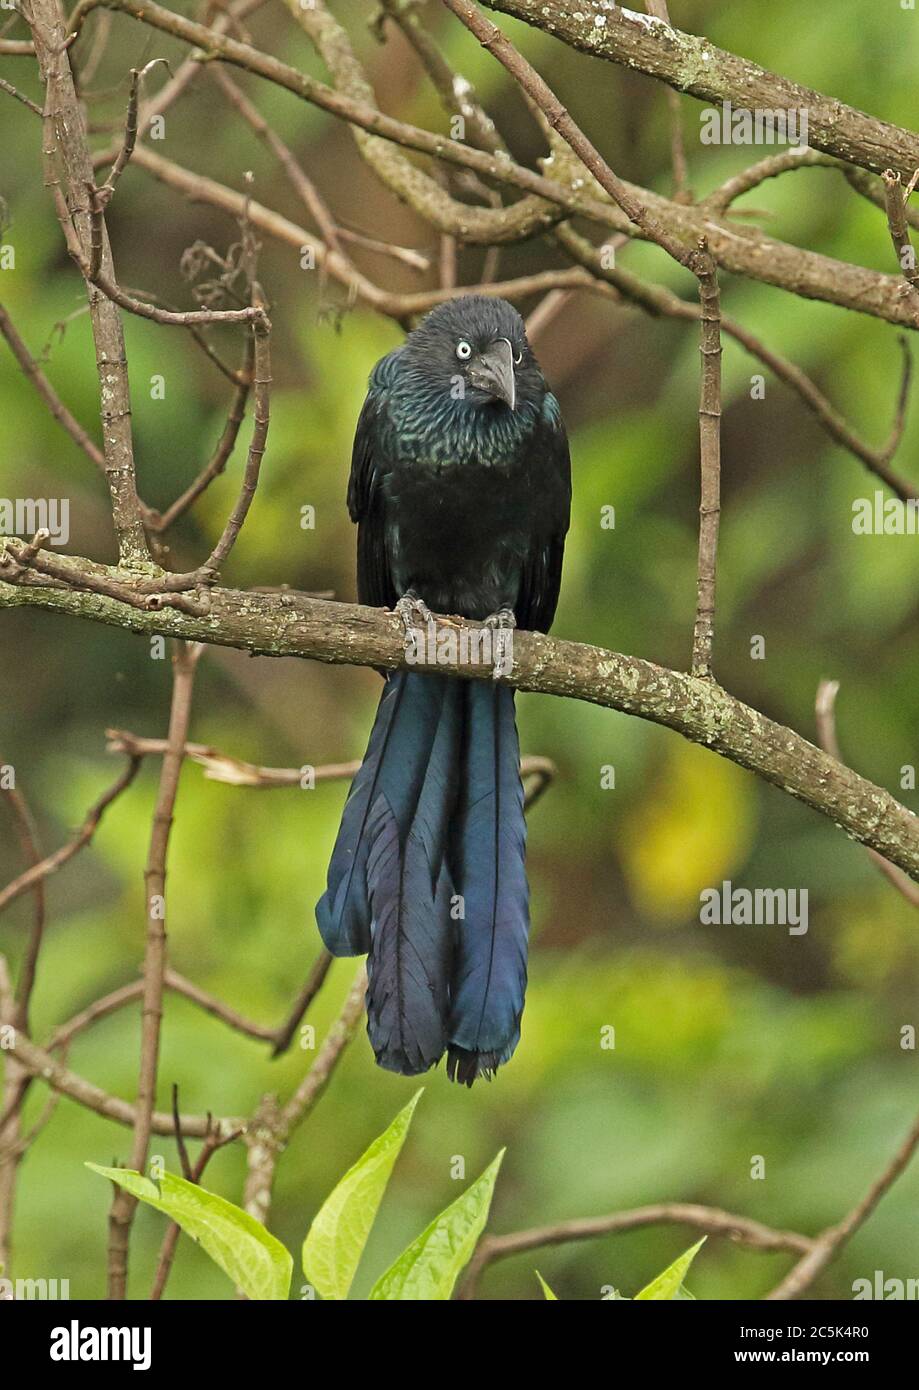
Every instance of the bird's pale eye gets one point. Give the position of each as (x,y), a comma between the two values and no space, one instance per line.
(519,358)
(463,351)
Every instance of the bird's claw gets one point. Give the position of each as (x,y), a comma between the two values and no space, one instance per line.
(502,623)
(413,612)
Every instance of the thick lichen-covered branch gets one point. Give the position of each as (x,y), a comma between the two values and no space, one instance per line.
(692,64)
(289,624)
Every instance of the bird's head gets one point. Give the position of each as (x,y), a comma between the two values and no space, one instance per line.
(475,349)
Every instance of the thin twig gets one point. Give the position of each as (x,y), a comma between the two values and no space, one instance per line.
(828,1245)
(184,1160)
(52,862)
(546,312)
(657,300)
(17,560)
(27,834)
(329,1055)
(895,201)
(261,418)
(42,385)
(224,449)
(303,185)
(455,91)
(39,1062)
(178,984)
(710,463)
(64,1034)
(237,772)
(710,1219)
(187,318)
(272,1125)
(14,92)
(560,120)
(130,126)
(124,1205)
(213,1141)
(107,1004)
(14,1010)
(314,982)
(799,157)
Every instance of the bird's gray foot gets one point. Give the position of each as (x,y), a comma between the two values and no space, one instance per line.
(414,613)
(503,620)
(502,623)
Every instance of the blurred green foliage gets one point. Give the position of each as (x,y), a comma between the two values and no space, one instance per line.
(731,1042)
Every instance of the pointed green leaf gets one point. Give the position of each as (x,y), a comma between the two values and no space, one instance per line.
(335,1241)
(546,1291)
(428,1268)
(667,1286)
(252,1257)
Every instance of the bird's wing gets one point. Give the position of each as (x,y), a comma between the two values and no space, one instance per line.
(551,473)
(365,499)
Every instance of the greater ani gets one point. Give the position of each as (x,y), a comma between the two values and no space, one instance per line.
(461,488)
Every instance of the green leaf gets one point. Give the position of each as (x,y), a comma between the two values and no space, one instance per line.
(335,1241)
(669,1285)
(252,1257)
(547,1292)
(428,1268)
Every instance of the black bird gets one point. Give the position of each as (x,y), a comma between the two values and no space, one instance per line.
(461,487)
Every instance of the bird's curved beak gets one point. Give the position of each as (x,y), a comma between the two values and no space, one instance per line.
(493,371)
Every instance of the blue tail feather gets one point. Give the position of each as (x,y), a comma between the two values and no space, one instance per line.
(435,819)
(394,766)
(488,864)
(409,889)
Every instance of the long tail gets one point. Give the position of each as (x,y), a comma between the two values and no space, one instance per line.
(488,862)
(427,876)
(389,887)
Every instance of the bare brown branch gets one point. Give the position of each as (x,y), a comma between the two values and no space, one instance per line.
(69,173)
(895,201)
(709,1219)
(828,1245)
(710,463)
(52,862)
(124,1204)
